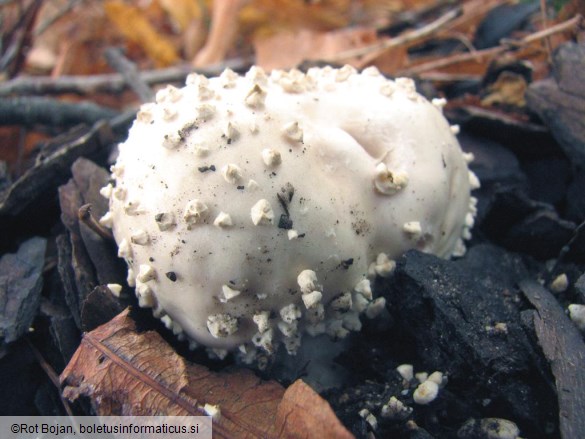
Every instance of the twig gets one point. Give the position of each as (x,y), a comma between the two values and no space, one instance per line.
(545,26)
(20,152)
(85,216)
(109,83)
(565,250)
(51,374)
(30,111)
(479,55)
(462,38)
(450,77)
(575,22)
(129,72)
(19,37)
(400,40)
(60,13)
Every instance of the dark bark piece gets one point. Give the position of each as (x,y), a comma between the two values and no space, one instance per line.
(47,401)
(515,131)
(575,197)
(56,333)
(76,271)
(492,162)
(569,68)
(107,266)
(53,167)
(580,287)
(67,275)
(549,179)
(83,269)
(20,377)
(560,102)
(65,334)
(448,308)
(89,179)
(543,226)
(100,307)
(520,224)
(501,22)
(563,113)
(21,282)
(93,258)
(563,346)
(70,201)
(5,179)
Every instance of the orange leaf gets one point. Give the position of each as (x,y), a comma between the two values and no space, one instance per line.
(183,12)
(288,49)
(509,88)
(125,372)
(136,28)
(304,414)
(130,373)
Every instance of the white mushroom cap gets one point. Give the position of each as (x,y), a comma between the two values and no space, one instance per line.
(356,165)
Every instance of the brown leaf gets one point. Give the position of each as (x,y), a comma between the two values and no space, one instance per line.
(288,49)
(302,413)
(136,28)
(69,38)
(183,12)
(509,89)
(125,372)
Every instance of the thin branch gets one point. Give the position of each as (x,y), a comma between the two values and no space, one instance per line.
(129,72)
(109,83)
(85,216)
(577,233)
(450,77)
(573,23)
(400,40)
(545,26)
(51,374)
(479,55)
(30,111)
(19,39)
(63,10)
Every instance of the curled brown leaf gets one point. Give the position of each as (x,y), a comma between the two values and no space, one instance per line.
(126,372)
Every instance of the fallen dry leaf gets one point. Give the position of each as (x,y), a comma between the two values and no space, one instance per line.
(302,413)
(69,40)
(303,27)
(135,26)
(126,372)
(509,89)
(17,145)
(288,49)
(183,12)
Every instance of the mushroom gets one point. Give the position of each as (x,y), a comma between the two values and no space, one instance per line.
(251,209)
